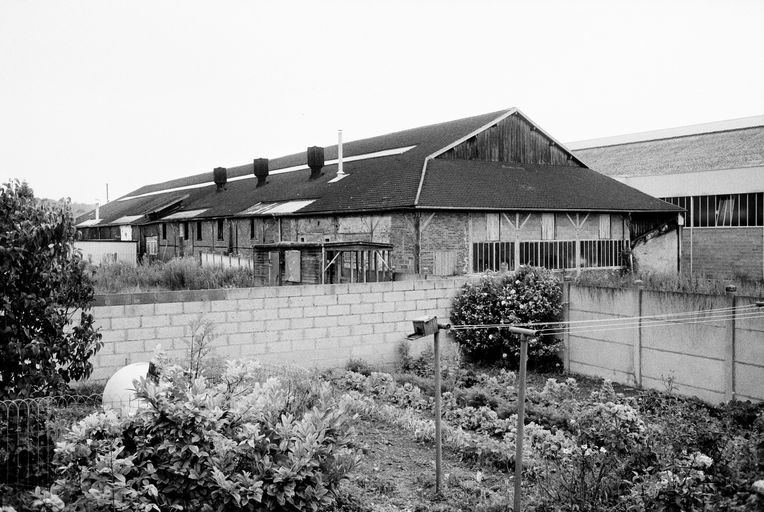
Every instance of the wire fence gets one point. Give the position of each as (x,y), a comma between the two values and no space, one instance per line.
(31,427)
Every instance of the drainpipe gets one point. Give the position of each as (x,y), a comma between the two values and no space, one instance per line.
(417,242)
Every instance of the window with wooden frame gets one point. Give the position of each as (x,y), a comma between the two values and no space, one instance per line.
(220,229)
(252,227)
(547,226)
(198,230)
(164,231)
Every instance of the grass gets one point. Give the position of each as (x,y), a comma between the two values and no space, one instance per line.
(175,274)
(671,283)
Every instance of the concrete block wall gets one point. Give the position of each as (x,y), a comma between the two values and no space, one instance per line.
(312,325)
(716,357)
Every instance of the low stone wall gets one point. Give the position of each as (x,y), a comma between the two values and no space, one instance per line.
(313,326)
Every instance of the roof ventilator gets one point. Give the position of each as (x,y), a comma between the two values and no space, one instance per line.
(261,170)
(315,161)
(220,176)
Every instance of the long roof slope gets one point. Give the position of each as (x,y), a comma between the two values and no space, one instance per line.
(386,172)
(732,144)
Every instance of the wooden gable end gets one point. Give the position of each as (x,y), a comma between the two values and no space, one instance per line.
(512,140)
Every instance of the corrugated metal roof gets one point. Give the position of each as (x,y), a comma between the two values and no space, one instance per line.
(276,208)
(127,219)
(185,214)
(89,222)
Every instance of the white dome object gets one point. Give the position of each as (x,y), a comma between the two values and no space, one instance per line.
(119,393)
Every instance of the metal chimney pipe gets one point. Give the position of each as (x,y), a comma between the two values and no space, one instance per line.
(340,172)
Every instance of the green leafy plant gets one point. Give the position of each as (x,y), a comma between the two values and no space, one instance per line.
(358,366)
(529,295)
(238,445)
(47,335)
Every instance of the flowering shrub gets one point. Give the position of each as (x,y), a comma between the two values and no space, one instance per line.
(560,392)
(239,445)
(528,295)
(615,427)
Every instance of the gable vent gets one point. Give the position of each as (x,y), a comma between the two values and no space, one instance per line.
(261,170)
(315,161)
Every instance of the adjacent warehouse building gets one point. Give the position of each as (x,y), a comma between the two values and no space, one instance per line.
(483,193)
(714,171)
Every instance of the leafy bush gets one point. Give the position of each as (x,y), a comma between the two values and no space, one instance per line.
(46,331)
(238,445)
(529,295)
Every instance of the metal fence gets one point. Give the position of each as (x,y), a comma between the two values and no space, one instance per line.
(30,428)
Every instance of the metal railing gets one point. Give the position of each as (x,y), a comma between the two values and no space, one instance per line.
(551,254)
(29,430)
(31,427)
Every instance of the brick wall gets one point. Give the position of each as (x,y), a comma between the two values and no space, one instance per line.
(724,252)
(311,325)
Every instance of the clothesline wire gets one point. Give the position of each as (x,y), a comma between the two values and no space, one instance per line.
(660,315)
(720,314)
(644,325)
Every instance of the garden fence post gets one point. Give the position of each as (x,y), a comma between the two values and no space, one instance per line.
(524,334)
(438,440)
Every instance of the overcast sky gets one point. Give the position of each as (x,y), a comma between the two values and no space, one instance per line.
(131,93)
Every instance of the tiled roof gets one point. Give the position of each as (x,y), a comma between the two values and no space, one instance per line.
(732,149)
(470,184)
(379,183)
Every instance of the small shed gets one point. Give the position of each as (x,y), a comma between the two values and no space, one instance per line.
(291,263)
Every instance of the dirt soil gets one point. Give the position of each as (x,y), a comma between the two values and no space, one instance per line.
(398,474)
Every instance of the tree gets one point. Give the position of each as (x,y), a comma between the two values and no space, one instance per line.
(47,334)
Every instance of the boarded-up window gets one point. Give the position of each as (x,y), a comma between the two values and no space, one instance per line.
(605,226)
(445,263)
(152,244)
(547,226)
(292,268)
(492,226)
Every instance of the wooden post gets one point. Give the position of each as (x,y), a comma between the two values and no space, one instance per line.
(520,425)
(438,440)
(637,354)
